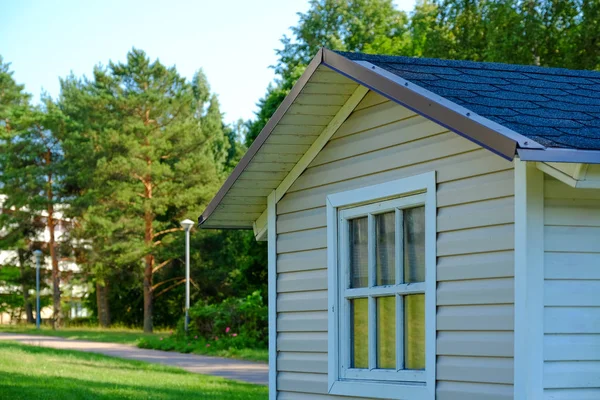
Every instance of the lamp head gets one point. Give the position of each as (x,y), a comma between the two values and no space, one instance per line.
(187,224)
(38,254)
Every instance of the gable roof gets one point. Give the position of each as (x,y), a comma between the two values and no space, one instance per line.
(541,114)
(555,107)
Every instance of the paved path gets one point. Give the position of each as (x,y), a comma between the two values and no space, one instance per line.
(246,371)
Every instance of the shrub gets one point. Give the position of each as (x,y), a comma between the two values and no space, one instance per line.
(81,322)
(224,347)
(234,323)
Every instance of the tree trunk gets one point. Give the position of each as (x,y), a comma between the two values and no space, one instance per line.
(102,304)
(28,305)
(148,294)
(148,236)
(149,260)
(57,317)
(25,288)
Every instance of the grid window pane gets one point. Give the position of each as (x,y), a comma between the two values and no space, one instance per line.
(414,331)
(386,332)
(414,245)
(385,231)
(360,333)
(359,253)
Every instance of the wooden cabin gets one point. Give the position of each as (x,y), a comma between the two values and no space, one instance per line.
(433,229)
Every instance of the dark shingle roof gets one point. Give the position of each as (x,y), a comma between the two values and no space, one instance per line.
(556,107)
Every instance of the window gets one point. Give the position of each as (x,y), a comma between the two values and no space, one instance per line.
(381,256)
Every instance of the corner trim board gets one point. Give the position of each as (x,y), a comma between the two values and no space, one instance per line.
(272,291)
(529,281)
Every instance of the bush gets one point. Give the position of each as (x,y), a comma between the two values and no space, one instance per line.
(236,322)
(224,347)
(81,322)
(237,327)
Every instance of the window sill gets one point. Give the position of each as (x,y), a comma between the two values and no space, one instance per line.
(382,390)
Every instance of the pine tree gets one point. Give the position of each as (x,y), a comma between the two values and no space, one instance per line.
(31,161)
(159,153)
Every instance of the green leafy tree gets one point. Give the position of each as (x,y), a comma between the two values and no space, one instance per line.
(87,108)
(15,225)
(371,26)
(31,162)
(159,153)
(18,229)
(558,33)
(354,25)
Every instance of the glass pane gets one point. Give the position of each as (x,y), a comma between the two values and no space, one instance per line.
(386,332)
(414,331)
(414,245)
(385,230)
(359,253)
(360,333)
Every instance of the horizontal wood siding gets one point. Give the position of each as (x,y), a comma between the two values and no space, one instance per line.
(382,141)
(571,292)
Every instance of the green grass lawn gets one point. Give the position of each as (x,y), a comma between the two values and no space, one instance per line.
(29,372)
(112,335)
(145,340)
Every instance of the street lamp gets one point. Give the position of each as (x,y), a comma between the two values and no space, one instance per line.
(187,226)
(38,259)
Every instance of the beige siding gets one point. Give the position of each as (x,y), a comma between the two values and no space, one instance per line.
(379,142)
(571,287)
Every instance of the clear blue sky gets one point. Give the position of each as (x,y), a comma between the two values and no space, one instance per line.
(232,41)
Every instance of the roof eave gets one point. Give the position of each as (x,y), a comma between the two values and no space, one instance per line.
(262,138)
(488,134)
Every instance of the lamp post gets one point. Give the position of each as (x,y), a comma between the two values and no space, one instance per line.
(187,226)
(38,259)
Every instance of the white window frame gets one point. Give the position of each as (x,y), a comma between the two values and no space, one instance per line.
(389,384)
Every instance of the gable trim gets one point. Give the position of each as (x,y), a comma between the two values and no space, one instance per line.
(262,137)
(261,223)
(486,133)
(460,120)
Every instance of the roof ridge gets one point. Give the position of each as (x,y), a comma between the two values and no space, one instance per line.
(494,66)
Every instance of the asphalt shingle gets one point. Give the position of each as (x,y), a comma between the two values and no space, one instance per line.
(555,107)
